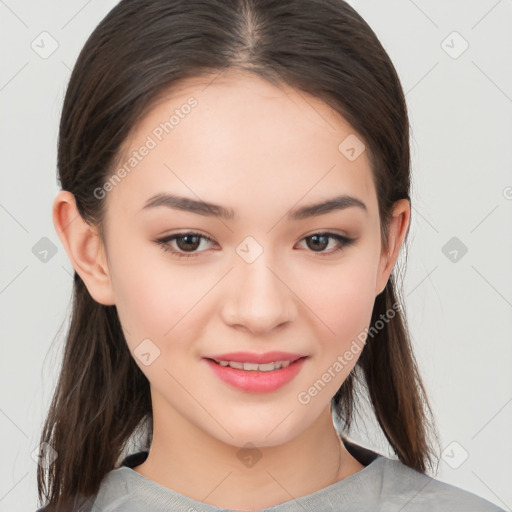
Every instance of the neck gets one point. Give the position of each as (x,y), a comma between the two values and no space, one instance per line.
(191,462)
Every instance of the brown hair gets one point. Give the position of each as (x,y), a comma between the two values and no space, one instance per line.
(140,50)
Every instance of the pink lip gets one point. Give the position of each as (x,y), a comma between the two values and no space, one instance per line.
(253,381)
(251,357)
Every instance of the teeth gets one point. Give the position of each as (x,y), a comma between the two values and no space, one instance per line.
(267,367)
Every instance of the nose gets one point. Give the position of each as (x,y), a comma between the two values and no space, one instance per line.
(258,298)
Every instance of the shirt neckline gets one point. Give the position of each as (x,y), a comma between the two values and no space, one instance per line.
(368,458)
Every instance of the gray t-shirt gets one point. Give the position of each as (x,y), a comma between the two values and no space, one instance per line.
(383,485)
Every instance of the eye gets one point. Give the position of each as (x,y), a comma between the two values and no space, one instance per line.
(319,241)
(186,242)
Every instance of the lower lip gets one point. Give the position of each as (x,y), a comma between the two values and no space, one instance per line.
(252,381)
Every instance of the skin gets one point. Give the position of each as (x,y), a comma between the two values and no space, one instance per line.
(261,151)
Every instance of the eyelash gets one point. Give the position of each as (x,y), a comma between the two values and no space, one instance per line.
(164,243)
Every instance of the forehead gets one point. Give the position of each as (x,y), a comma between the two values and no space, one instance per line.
(238,140)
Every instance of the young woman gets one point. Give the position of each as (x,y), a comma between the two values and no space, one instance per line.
(235,195)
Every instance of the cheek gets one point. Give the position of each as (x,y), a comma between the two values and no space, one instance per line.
(342,303)
(160,301)
(153,314)
(148,301)
(343,298)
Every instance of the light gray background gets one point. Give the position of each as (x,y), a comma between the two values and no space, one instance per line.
(459,305)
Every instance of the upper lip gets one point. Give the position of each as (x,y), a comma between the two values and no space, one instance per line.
(252,357)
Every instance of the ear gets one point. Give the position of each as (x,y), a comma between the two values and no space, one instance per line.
(398,227)
(84,248)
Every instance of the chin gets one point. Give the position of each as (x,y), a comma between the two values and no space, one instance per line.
(261,433)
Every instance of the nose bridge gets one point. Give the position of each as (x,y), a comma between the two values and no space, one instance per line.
(258,298)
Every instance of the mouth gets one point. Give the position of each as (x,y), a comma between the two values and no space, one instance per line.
(256,367)
(256,373)
(253,357)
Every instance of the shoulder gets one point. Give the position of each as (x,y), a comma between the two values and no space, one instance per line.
(417,492)
(114,492)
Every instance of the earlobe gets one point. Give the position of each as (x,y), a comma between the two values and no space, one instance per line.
(398,227)
(84,247)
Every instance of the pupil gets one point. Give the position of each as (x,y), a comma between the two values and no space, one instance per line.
(322,245)
(187,243)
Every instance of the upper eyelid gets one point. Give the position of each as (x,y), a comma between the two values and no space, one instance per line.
(326,231)
(320,232)
(345,239)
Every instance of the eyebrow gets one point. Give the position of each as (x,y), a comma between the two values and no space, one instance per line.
(214,210)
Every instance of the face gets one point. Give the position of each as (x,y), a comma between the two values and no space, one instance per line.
(190,283)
